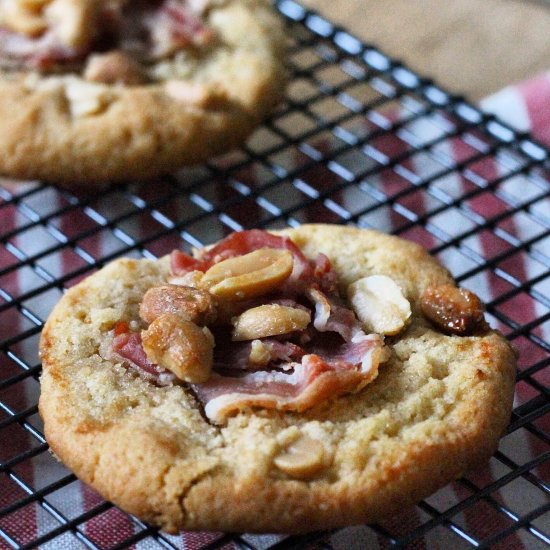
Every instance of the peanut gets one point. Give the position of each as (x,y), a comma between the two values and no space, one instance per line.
(114,67)
(191,304)
(379,304)
(260,353)
(269,320)
(86,98)
(302,459)
(454,310)
(179,346)
(251,275)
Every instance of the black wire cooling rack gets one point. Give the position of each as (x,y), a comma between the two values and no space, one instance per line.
(361,139)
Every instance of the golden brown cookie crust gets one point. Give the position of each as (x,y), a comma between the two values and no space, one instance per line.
(141,131)
(437,408)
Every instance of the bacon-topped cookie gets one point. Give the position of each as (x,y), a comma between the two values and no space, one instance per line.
(318,377)
(107,90)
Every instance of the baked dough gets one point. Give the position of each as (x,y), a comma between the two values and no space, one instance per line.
(437,408)
(198,102)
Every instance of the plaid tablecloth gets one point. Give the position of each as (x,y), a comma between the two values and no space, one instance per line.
(526,106)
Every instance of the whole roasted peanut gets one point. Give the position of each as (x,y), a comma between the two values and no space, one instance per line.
(269,320)
(452,309)
(191,304)
(250,275)
(179,346)
(379,304)
(22,18)
(114,67)
(302,459)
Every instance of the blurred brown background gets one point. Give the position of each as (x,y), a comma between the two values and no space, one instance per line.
(473,47)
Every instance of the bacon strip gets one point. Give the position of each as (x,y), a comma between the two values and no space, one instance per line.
(234,357)
(321,375)
(313,381)
(324,273)
(127,347)
(332,316)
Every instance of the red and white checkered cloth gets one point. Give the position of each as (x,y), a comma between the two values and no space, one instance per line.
(525,106)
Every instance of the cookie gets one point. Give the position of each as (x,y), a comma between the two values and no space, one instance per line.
(96,91)
(427,400)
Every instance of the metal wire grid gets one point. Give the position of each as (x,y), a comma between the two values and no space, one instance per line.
(363,140)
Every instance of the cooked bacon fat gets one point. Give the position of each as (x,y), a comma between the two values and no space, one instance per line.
(286,344)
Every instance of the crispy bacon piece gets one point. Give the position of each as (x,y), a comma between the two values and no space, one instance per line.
(313,381)
(127,347)
(324,273)
(332,316)
(234,357)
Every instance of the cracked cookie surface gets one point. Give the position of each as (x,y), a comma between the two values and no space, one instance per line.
(437,407)
(77,108)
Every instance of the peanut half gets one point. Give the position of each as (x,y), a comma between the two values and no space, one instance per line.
(192,304)
(454,310)
(269,320)
(379,304)
(179,346)
(302,459)
(86,98)
(114,67)
(248,276)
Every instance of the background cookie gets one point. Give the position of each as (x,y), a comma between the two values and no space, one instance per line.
(68,121)
(437,408)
